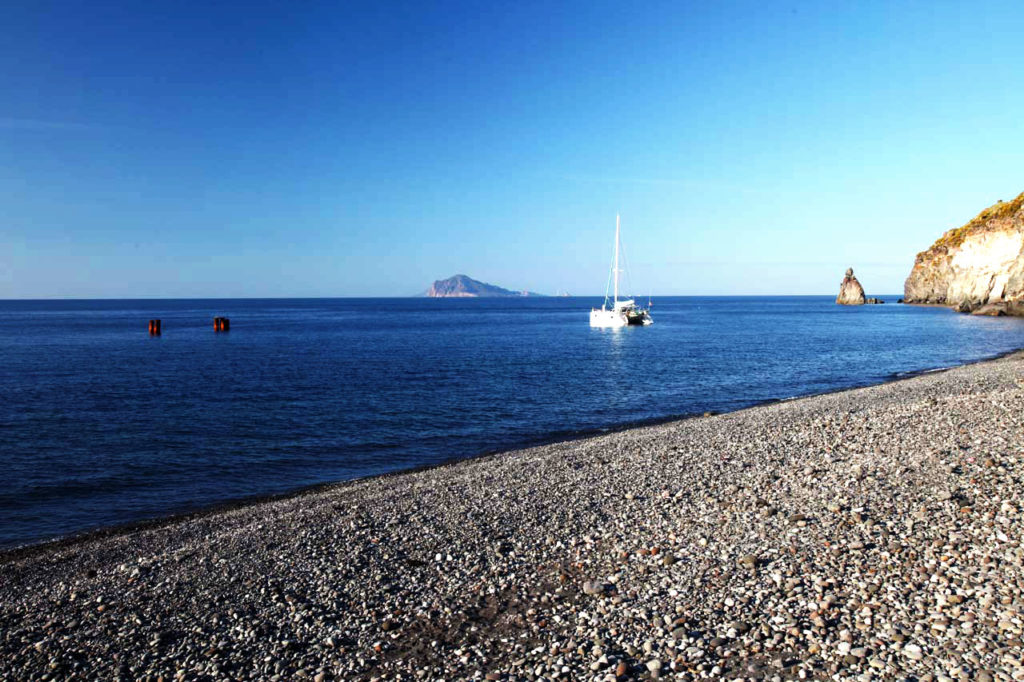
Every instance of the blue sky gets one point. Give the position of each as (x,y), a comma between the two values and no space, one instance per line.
(352,149)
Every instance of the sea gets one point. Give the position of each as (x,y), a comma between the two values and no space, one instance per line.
(102,424)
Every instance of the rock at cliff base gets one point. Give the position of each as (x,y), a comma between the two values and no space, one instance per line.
(991,310)
(850,290)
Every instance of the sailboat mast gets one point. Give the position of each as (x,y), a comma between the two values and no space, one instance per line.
(616,268)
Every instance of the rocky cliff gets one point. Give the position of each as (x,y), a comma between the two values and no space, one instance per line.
(850,290)
(461,286)
(978,267)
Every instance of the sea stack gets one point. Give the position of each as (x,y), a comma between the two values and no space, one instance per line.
(850,290)
(978,267)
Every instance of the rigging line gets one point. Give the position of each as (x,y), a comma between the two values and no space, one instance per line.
(625,268)
(607,286)
(608,282)
(611,273)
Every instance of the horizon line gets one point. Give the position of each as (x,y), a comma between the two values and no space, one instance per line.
(334,298)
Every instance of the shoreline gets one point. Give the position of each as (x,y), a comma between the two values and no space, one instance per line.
(871,533)
(29,549)
(22,551)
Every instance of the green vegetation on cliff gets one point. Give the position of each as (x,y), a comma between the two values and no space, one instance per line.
(955,237)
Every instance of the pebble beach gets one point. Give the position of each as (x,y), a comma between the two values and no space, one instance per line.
(874,533)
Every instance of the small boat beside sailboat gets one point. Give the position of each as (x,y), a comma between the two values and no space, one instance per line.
(625,313)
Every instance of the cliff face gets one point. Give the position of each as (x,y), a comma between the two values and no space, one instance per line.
(461,286)
(979,264)
(850,290)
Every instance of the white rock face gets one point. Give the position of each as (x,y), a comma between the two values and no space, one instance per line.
(981,263)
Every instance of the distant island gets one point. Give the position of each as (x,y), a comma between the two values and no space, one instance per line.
(463,286)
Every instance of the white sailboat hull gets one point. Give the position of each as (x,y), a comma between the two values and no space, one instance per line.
(608,318)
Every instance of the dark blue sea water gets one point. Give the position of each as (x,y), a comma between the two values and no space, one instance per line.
(101,424)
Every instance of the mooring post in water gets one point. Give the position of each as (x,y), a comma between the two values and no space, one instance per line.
(154,327)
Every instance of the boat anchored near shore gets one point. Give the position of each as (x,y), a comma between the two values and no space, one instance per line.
(621,313)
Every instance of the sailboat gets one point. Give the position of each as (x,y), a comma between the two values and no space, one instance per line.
(622,313)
